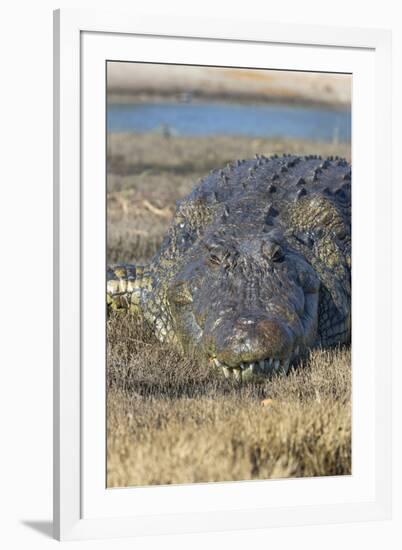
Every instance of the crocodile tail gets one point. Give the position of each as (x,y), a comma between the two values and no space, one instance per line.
(125,287)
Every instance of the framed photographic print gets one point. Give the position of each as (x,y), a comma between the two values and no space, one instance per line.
(222,327)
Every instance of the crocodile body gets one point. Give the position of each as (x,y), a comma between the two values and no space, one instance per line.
(255,268)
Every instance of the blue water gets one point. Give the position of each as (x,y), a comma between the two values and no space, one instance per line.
(203,119)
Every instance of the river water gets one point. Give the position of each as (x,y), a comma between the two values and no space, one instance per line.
(203,119)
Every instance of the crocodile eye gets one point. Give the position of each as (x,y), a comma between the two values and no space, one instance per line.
(216,253)
(272,251)
(217,256)
(214,259)
(277,255)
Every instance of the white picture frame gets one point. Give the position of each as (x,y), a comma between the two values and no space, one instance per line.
(83,507)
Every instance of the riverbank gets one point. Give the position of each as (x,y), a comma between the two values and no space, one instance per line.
(142,82)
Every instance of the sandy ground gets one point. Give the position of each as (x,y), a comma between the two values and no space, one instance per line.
(146,82)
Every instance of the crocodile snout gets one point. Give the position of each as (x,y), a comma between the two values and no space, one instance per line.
(253,340)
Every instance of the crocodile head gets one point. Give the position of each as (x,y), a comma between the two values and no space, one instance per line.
(247,303)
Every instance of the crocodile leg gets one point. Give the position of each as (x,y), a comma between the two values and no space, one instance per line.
(125,287)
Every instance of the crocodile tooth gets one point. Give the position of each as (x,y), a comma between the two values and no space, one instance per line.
(247,374)
(237,373)
(277,364)
(226,372)
(262,365)
(282,367)
(286,364)
(242,366)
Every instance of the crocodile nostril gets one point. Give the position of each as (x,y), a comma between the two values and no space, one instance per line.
(266,327)
(273,333)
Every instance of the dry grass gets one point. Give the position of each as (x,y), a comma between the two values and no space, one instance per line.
(172,421)
(169,419)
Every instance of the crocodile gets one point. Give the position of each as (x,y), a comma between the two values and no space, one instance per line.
(255,269)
